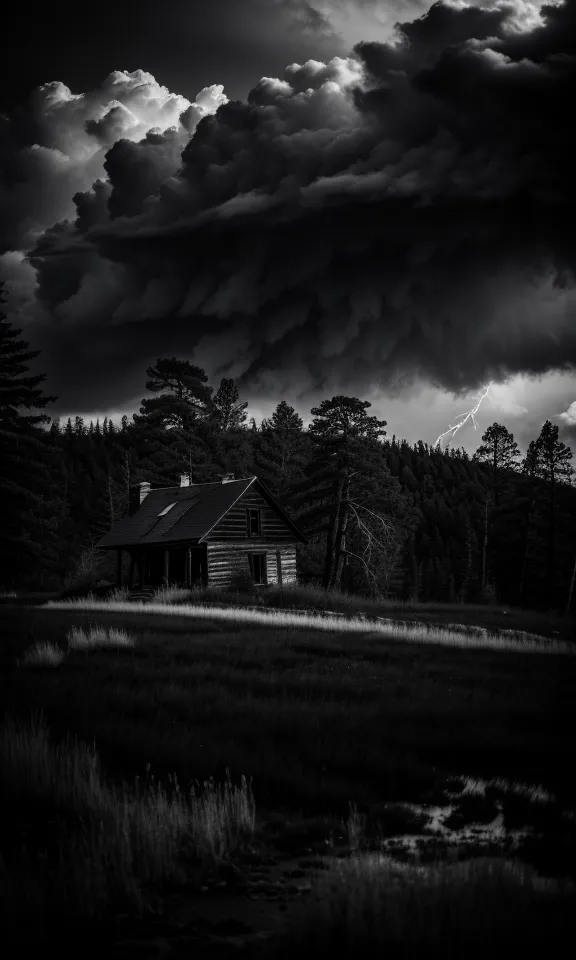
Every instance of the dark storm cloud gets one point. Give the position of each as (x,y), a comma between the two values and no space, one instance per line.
(403,213)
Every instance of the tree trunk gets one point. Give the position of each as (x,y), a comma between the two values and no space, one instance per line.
(468,571)
(340,539)
(552,537)
(485,545)
(64,498)
(110,500)
(571,588)
(495,475)
(526,545)
(331,536)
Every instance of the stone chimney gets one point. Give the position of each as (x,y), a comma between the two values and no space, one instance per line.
(184,479)
(138,493)
(227,477)
(144,490)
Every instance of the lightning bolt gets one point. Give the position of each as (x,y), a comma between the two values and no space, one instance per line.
(463,418)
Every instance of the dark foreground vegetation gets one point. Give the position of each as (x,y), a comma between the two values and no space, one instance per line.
(315,722)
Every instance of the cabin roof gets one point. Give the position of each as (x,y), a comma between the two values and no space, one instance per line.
(195,512)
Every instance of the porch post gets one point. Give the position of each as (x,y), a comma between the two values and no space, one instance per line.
(119,568)
(189,567)
(131,571)
(167,566)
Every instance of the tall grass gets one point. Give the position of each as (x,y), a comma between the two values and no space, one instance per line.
(372,906)
(170,595)
(118,842)
(307,597)
(405,632)
(43,654)
(118,594)
(98,638)
(534,793)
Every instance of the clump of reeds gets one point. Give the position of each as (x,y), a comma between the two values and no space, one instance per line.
(118,841)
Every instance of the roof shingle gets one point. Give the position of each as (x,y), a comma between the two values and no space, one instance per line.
(197,509)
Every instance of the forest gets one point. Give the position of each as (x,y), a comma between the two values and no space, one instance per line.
(383,518)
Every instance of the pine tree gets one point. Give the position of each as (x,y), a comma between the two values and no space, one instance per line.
(229,412)
(166,432)
(280,451)
(530,504)
(551,461)
(28,527)
(345,441)
(500,450)
(183,394)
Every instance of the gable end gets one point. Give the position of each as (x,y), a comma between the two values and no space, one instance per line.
(274,527)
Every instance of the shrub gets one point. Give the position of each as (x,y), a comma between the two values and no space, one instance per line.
(242,583)
(85,570)
(91,590)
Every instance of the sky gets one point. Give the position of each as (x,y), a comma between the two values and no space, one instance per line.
(315,198)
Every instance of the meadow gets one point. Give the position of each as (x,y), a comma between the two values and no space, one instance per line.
(314,720)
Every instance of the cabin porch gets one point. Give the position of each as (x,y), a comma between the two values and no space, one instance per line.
(180,565)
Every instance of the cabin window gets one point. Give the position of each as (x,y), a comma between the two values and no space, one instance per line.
(257,563)
(253,521)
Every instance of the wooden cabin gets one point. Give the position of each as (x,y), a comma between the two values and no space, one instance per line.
(205,533)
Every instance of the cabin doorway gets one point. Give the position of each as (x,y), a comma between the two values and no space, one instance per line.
(198,566)
(177,566)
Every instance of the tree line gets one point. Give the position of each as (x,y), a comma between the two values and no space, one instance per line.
(383,517)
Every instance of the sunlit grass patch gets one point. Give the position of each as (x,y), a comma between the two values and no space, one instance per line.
(98,638)
(414,632)
(477,787)
(117,841)
(43,654)
(370,904)
(170,595)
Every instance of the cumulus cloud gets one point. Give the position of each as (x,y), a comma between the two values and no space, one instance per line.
(389,216)
(57,143)
(569,416)
(568,422)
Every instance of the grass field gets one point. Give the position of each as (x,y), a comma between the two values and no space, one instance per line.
(318,719)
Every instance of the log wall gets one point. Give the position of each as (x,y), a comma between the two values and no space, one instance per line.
(226,560)
(228,543)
